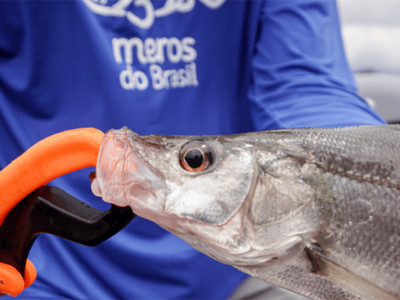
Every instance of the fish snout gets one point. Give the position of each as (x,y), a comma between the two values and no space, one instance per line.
(122,177)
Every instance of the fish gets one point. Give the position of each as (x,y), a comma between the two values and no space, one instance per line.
(312,210)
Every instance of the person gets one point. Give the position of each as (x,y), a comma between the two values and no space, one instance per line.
(161,67)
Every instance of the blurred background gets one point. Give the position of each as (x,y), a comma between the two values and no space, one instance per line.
(371,33)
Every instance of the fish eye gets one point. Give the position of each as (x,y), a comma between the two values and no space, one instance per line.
(196,156)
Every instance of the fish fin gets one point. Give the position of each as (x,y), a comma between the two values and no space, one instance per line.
(339,275)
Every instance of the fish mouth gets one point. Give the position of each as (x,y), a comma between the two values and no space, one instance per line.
(122,177)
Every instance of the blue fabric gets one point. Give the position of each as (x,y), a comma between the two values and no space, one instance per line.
(165,67)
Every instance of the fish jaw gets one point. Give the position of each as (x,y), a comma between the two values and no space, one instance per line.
(123,179)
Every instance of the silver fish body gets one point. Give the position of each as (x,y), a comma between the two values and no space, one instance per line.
(315,211)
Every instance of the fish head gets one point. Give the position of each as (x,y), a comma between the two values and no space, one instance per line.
(192,186)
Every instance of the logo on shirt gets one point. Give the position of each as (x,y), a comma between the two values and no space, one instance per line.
(125,8)
(143,58)
(153,52)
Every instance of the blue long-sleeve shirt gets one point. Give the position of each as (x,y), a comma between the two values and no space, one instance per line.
(165,67)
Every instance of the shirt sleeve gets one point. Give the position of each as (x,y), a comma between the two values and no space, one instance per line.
(300,76)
